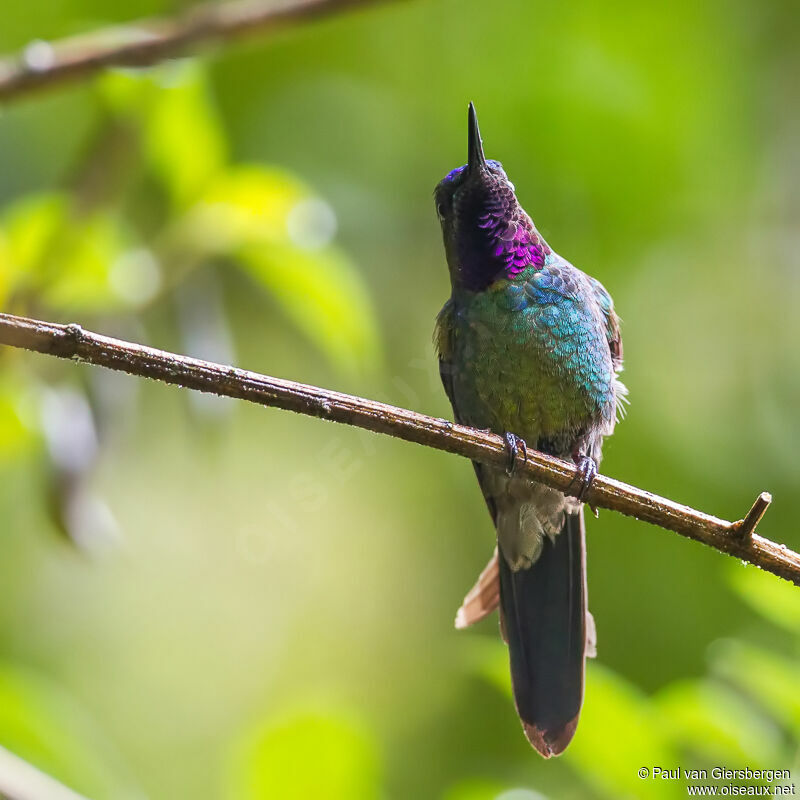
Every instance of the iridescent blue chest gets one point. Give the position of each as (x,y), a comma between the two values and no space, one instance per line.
(530,354)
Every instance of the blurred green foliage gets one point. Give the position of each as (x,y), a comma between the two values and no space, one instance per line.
(204,599)
(309,754)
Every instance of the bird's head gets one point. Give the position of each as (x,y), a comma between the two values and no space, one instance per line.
(486,233)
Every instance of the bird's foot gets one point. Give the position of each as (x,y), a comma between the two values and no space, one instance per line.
(514,446)
(586,470)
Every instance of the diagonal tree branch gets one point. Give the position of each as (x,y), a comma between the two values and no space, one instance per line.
(71,341)
(20,780)
(146,42)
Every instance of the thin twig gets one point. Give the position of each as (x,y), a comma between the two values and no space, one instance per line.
(71,341)
(746,526)
(146,42)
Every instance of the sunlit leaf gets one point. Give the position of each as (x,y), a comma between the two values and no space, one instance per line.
(29,227)
(307,755)
(127,93)
(183,139)
(719,723)
(776,600)
(15,435)
(78,273)
(182,135)
(43,725)
(73,264)
(246,205)
(324,296)
(274,227)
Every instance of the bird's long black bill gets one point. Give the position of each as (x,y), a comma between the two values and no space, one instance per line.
(544,620)
(475,157)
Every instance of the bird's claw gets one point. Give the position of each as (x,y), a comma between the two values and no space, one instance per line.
(514,445)
(585,472)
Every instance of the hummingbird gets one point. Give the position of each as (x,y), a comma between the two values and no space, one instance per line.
(529,347)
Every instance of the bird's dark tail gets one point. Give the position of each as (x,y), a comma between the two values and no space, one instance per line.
(544,621)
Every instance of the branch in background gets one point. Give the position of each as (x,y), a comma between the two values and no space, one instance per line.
(146,42)
(71,341)
(20,780)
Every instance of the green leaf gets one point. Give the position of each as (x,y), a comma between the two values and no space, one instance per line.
(776,600)
(474,789)
(478,789)
(621,731)
(489,659)
(79,272)
(183,141)
(719,723)
(770,678)
(306,754)
(278,232)
(325,298)
(43,725)
(85,263)
(5,268)
(15,435)
(29,227)
(245,205)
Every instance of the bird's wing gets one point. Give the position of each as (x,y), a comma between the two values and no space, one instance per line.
(443,342)
(614,336)
(484,597)
(612,322)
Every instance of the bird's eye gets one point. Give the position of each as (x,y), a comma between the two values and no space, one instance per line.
(441,210)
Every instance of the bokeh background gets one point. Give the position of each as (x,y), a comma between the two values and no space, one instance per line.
(203,598)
